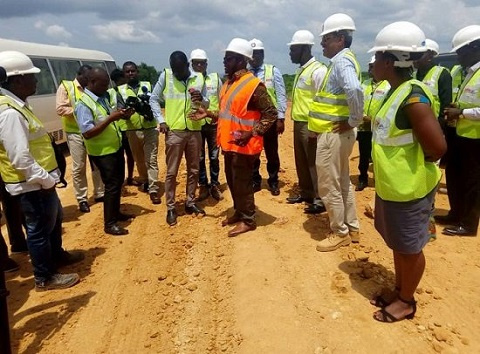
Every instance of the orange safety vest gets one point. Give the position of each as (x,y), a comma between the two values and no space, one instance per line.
(234,115)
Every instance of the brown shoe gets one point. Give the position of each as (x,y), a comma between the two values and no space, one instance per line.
(240,229)
(231,220)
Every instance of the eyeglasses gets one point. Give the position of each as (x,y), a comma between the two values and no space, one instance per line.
(327,37)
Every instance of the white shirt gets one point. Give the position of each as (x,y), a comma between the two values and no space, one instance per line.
(317,75)
(14,134)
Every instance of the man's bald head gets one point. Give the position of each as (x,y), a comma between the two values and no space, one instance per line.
(98,81)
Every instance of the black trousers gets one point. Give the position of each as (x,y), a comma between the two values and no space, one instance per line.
(453,173)
(112,170)
(239,171)
(270,145)
(15,220)
(365,148)
(468,185)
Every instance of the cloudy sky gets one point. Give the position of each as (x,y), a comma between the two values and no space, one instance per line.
(148,31)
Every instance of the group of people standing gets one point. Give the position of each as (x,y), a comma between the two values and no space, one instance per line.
(399,120)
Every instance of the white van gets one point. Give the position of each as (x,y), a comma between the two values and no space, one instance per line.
(56,64)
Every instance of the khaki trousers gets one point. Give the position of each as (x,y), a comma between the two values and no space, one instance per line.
(78,152)
(333,175)
(144,147)
(178,143)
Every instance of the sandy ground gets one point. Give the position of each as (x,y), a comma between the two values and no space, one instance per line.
(191,289)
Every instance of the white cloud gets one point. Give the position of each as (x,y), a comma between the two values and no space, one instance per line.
(124,31)
(53,31)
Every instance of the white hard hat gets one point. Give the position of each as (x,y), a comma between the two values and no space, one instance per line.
(337,22)
(465,36)
(16,63)
(240,46)
(198,54)
(256,44)
(302,37)
(372,60)
(432,45)
(400,39)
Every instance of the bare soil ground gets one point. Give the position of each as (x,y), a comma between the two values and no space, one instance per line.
(191,289)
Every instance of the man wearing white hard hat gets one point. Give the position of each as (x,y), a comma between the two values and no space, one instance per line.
(335,111)
(407,141)
(273,80)
(307,81)
(374,93)
(213,84)
(436,77)
(246,113)
(463,183)
(29,170)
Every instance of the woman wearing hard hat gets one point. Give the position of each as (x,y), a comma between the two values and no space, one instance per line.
(407,140)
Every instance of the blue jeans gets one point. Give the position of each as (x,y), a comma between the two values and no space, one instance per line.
(43,217)
(209,136)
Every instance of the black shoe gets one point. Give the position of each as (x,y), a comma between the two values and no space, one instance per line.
(273,188)
(154,197)
(132,182)
(299,199)
(257,187)
(172,217)
(144,187)
(83,207)
(215,192)
(67,258)
(203,193)
(315,209)
(194,209)
(125,217)
(10,266)
(115,230)
(458,231)
(99,200)
(445,219)
(361,186)
(57,281)
(19,250)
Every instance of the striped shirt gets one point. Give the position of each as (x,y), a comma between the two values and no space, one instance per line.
(344,79)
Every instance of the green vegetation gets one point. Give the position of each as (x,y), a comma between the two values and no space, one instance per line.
(147,73)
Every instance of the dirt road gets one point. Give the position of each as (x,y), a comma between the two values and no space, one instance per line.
(191,289)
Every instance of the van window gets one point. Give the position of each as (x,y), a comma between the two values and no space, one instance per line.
(45,83)
(95,64)
(64,69)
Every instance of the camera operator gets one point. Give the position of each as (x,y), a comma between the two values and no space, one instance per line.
(141,129)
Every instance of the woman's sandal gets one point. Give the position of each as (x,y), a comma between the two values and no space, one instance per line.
(380,301)
(387,317)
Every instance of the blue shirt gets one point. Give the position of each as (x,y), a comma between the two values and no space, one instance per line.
(344,79)
(278,85)
(83,114)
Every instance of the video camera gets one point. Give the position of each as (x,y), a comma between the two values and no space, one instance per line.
(141,104)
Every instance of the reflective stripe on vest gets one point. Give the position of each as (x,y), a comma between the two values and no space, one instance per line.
(401,172)
(211,85)
(374,94)
(178,102)
(431,81)
(69,123)
(469,97)
(456,74)
(270,83)
(303,91)
(326,107)
(110,139)
(136,121)
(234,115)
(39,144)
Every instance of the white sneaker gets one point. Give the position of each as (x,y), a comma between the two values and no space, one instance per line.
(332,242)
